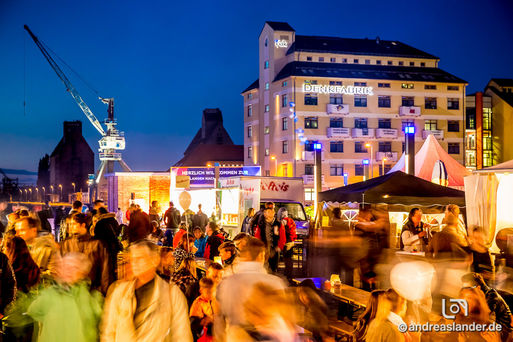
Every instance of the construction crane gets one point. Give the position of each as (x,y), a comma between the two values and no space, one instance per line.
(112,141)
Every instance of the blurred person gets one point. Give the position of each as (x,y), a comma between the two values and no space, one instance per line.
(481,257)
(60,216)
(156,234)
(184,249)
(448,243)
(200,219)
(214,240)
(67,311)
(146,308)
(178,235)
(4,211)
(214,272)
(7,283)
(453,209)
(237,289)
(101,269)
(172,217)
(362,324)
(167,261)
(132,208)
(336,221)
(187,218)
(272,233)
(389,315)
(25,269)
(246,227)
(200,242)
(240,240)
(228,254)
(312,312)
(119,216)
(44,214)
(98,204)
(76,208)
(499,310)
(202,311)
(106,229)
(290,237)
(139,227)
(42,246)
(155,211)
(259,215)
(64,233)
(414,234)
(185,275)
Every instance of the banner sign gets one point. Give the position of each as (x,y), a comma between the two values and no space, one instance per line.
(204,177)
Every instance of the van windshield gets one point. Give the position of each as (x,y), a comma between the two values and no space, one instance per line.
(295,210)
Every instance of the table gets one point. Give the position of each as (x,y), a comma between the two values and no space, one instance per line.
(347,294)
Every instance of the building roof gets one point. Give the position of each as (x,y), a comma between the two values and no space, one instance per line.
(354,46)
(252,86)
(280,26)
(503,82)
(364,71)
(205,153)
(211,131)
(506,97)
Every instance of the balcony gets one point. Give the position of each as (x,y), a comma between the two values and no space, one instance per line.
(362,132)
(391,156)
(310,155)
(437,133)
(309,179)
(409,111)
(338,132)
(341,109)
(386,133)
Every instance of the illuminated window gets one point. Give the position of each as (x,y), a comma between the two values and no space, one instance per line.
(487,141)
(266,108)
(266,65)
(311,100)
(408,101)
(487,158)
(430,102)
(453,148)
(358,170)
(267,151)
(311,123)
(284,147)
(453,103)
(284,83)
(266,130)
(384,101)
(336,146)
(284,124)
(487,118)
(336,170)
(407,85)
(309,195)
(266,85)
(453,126)
(430,125)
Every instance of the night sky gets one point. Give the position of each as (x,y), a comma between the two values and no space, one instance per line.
(165,61)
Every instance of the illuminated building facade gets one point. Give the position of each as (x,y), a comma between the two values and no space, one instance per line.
(478,131)
(354,96)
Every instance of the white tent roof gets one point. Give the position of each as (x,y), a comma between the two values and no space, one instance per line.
(503,167)
(425,160)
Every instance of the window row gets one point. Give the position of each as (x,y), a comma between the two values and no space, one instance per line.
(384,101)
(363,61)
(429,125)
(338,169)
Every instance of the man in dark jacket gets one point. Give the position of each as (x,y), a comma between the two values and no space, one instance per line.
(272,234)
(7,283)
(200,219)
(214,240)
(258,217)
(106,229)
(172,217)
(81,241)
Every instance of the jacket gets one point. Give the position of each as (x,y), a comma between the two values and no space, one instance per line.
(44,252)
(178,237)
(212,246)
(172,218)
(200,244)
(7,282)
(277,240)
(167,317)
(290,230)
(200,220)
(101,273)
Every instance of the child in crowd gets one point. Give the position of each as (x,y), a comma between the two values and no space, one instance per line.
(202,311)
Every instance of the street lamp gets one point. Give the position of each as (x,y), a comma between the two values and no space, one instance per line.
(275,165)
(37,193)
(26,195)
(30,190)
(21,194)
(73,187)
(44,192)
(371,170)
(383,160)
(60,198)
(51,187)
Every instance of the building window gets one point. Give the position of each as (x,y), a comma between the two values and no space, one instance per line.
(385,146)
(336,98)
(453,126)
(408,101)
(360,84)
(266,85)
(355,61)
(487,158)
(358,170)
(407,85)
(388,167)
(359,147)
(430,125)
(267,151)
(266,42)
(453,148)
(310,99)
(250,96)
(309,145)
(336,170)
(311,123)
(333,59)
(487,141)
(344,60)
(266,108)
(250,110)
(336,83)
(336,146)
(401,63)
(389,62)
(360,101)
(453,103)
(453,88)
(430,103)
(407,123)
(321,59)
(250,152)
(487,118)
(378,62)
(412,63)
(308,58)
(422,64)
(266,130)
(383,85)
(430,86)
(284,101)
(367,61)
(266,65)
(284,124)
(250,131)
(284,83)
(309,169)
(384,123)
(384,101)
(285,147)
(336,122)
(403,147)
(360,123)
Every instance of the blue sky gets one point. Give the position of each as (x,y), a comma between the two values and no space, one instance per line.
(165,61)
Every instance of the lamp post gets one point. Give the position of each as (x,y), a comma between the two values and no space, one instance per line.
(37,193)
(371,152)
(26,195)
(74,190)
(30,190)
(383,160)
(44,193)
(60,198)
(21,194)
(275,165)
(366,163)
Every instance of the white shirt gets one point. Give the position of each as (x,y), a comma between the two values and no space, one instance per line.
(411,241)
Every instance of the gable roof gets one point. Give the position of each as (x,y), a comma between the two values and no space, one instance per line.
(503,82)
(378,72)
(252,86)
(202,154)
(280,26)
(356,46)
(507,97)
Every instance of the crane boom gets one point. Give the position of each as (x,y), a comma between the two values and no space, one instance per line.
(67,83)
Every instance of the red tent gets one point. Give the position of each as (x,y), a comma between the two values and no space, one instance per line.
(426,158)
